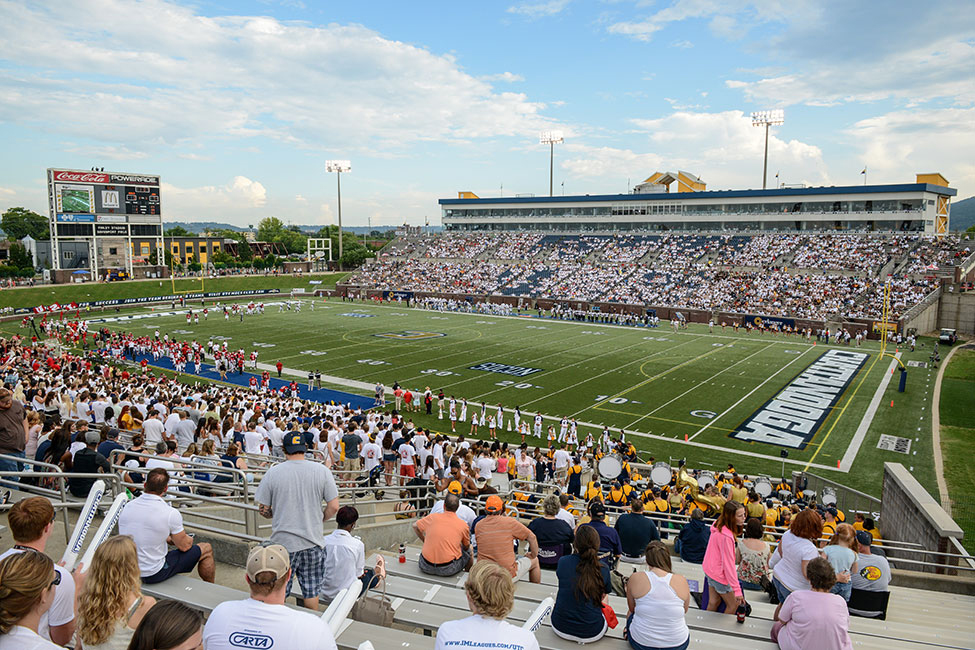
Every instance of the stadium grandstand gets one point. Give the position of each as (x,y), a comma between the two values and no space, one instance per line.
(111,439)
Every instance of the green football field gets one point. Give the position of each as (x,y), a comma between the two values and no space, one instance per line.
(657,385)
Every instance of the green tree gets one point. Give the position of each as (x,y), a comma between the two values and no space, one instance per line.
(270,229)
(20,256)
(354,256)
(20,222)
(179,231)
(971,229)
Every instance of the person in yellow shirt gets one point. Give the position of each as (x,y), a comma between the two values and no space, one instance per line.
(616,497)
(869,526)
(829,525)
(754,507)
(574,478)
(593,491)
(858,522)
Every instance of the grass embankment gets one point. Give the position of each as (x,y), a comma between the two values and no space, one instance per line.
(958,439)
(93,291)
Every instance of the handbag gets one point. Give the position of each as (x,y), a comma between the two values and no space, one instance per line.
(610,616)
(769,588)
(376,609)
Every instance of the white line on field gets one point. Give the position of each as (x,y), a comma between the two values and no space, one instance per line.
(726,411)
(854,447)
(693,388)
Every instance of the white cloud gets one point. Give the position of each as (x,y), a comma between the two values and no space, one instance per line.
(935,140)
(237,77)
(601,163)
(195,156)
(7,192)
(106,152)
(682,45)
(241,196)
(507,77)
(539,10)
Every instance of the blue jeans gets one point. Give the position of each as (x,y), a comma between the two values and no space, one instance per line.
(843,589)
(640,646)
(750,585)
(7,465)
(780,589)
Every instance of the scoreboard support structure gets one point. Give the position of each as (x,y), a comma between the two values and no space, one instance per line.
(107,211)
(317,249)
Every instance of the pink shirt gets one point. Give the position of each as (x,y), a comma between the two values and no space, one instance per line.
(814,620)
(719,558)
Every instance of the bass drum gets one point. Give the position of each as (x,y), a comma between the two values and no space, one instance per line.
(829,496)
(763,487)
(705,479)
(660,474)
(609,467)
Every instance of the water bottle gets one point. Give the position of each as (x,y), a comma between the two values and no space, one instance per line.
(741,613)
(402,553)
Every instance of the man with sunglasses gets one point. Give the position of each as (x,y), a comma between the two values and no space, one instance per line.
(31,522)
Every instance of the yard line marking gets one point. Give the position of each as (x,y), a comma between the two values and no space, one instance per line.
(692,389)
(843,410)
(854,447)
(750,393)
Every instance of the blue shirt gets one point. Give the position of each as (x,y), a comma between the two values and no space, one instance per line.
(579,618)
(636,531)
(609,539)
(693,540)
(106,448)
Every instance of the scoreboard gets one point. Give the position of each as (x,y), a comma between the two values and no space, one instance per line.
(98,206)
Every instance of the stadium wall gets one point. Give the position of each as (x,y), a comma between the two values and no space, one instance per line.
(957,311)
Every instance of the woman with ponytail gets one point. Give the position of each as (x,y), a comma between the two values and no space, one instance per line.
(27,584)
(583,587)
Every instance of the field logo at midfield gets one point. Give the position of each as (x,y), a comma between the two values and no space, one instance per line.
(410,335)
(352,314)
(792,417)
(505,369)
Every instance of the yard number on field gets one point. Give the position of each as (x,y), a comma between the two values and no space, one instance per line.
(373,362)
(439,373)
(313,353)
(615,400)
(507,382)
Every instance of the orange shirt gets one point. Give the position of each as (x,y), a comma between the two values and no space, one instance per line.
(444,536)
(495,540)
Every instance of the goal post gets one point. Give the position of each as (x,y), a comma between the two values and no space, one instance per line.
(317,249)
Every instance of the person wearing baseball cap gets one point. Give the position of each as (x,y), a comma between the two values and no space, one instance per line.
(610,547)
(872,575)
(264,615)
(88,461)
(291,496)
(464,512)
(496,535)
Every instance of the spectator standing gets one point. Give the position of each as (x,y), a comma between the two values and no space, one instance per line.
(496,536)
(813,618)
(719,559)
(692,540)
(88,461)
(584,584)
(28,585)
(110,444)
(152,428)
(873,572)
(446,540)
(31,522)
(13,432)
(291,495)
(490,597)
(152,524)
(564,514)
(636,531)
(554,535)
(169,625)
(842,555)
(265,614)
(658,600)
(111,604)
(796,550)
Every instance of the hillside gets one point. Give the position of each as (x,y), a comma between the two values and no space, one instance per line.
(963,214)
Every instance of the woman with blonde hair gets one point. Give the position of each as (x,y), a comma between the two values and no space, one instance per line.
(490,597)
(27,584)
(111,604)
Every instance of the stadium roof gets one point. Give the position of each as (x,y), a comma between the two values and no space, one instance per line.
(718,194)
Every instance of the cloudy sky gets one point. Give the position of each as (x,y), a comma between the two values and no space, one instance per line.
(238,104)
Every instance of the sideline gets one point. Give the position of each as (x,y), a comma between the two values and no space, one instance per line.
(846,464)
(939,463)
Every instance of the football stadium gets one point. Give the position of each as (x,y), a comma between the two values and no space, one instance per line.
(674,417)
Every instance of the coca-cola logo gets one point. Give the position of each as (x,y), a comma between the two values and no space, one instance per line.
(81,177)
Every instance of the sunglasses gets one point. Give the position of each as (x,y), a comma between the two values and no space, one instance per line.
(56,581)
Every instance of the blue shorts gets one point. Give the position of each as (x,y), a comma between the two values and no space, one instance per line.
(308,565)
(176,562)
(719,587)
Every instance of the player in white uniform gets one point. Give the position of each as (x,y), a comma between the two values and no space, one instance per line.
(538,426)
(563,429)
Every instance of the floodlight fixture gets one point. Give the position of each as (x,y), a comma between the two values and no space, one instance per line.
(551,138)
(339,166)
(767,119)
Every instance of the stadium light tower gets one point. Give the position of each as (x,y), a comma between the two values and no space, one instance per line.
(767,119)
(339,166)
(551,138)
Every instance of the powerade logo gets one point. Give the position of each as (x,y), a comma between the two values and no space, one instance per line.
(505,369)
(795,414)
(250,640)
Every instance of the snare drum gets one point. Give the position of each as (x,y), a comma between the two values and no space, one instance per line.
(705,479)
(610,467)
(829,496)
(660,474)
(785,494)
(763,486)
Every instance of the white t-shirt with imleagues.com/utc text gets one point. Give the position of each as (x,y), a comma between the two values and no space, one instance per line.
(251,623)
(482,633)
